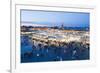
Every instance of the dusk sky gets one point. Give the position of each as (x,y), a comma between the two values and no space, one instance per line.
(48,18)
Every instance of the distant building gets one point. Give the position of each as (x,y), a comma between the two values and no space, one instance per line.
(62,26)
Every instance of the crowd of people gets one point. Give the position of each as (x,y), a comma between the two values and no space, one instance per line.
(54,51)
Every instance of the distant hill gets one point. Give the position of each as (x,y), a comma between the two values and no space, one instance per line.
(56,27)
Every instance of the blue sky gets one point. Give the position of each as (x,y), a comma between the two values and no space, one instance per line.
(47,18)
